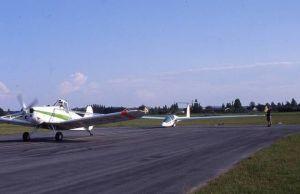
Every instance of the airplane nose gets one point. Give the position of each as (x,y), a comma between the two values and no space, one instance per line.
(34,118)
(165,124)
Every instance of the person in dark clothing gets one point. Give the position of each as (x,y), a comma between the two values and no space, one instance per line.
(268,117)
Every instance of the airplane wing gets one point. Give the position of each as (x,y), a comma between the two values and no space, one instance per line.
(153,117)
(16,119)
(216,117)
(98,119)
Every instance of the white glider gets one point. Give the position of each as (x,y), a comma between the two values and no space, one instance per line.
(172,120)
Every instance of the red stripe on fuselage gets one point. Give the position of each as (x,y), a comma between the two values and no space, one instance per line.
(124,113)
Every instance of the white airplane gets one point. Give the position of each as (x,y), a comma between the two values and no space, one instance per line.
(59,117)
(172,120)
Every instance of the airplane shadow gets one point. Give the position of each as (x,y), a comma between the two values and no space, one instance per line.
(45,140)
(152,127)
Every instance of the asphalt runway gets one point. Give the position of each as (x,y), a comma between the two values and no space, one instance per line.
(128,160)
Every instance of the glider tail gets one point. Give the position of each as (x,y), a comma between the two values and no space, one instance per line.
(88,113)
(188,111)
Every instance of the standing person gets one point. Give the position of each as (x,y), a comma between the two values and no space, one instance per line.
(268,116)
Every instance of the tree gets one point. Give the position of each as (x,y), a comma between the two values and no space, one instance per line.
(165,110)
(237,105)
(196,107)
(2,112)
(293,102)
(223,107)
(209,109)
(294,105)
(251,106)
(288,107)
(174,108)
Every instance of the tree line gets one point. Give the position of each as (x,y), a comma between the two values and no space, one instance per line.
(102,109)
(229,107)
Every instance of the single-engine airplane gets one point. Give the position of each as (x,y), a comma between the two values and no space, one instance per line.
(172,120)
(59,117)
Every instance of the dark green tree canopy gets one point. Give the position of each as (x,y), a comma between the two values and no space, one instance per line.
(2,112)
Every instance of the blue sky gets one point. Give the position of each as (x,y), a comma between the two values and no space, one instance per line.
(149,52)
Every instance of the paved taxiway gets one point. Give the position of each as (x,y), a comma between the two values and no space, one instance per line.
(128,160)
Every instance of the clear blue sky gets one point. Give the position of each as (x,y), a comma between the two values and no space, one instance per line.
(152,52)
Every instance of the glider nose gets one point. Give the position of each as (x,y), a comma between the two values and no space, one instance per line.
(164,124)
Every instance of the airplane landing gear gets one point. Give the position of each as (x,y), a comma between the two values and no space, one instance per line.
(26,136)
(59,136)
(91,134)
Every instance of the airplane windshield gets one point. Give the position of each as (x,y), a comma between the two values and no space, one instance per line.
(62,104)
(168,119)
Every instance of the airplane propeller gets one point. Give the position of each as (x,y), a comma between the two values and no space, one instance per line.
(21,101)
(25,108)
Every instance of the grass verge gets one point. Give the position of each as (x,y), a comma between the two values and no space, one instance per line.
(11,129)
(272,170)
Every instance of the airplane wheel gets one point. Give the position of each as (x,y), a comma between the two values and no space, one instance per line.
(59,136)
(174,125)
(26,136)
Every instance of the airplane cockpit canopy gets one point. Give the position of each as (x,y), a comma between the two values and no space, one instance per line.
(62,104)
(169,118)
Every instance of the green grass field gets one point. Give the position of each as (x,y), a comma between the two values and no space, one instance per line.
(6,129)
(11,129)
(273,170)
(284,118)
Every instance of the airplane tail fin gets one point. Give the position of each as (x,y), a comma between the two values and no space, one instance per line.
(188,111)
(88,113)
